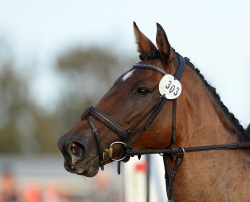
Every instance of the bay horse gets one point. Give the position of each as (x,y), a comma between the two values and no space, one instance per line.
(140,112)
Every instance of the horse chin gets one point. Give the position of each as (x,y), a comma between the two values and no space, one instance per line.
(88,169)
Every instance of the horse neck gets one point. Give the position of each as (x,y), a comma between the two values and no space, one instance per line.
(201,120)
(207,176)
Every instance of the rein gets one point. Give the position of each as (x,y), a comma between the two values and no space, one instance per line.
(177,153)
(180,150)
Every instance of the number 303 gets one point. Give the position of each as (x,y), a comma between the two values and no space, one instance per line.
(172,88)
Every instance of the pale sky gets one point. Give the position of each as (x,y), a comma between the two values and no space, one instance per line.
(213,34)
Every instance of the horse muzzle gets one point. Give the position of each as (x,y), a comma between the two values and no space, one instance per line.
(76,159)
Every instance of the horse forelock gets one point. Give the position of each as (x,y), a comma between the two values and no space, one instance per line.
(148,56)
(245,134)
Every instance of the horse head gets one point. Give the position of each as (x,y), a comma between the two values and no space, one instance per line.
(137,114)
(124,116)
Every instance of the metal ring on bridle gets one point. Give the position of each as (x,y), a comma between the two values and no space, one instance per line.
(111,146)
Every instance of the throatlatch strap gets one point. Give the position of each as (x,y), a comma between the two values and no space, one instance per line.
(174,121)
(180,70)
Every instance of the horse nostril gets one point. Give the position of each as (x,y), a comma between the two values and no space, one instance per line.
(77,150)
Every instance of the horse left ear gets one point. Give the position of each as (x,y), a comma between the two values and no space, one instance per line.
(163,45)
(143,43)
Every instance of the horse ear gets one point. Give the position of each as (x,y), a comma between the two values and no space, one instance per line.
(143,43)
(163,45)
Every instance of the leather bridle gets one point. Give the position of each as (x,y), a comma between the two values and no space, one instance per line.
(126,141)
(150,115)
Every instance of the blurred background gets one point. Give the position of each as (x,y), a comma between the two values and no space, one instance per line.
(58,57)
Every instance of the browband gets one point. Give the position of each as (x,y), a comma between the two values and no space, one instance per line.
(177,75)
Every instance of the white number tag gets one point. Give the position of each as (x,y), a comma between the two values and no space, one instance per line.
(170,87)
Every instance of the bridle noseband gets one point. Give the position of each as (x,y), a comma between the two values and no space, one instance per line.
(125,134)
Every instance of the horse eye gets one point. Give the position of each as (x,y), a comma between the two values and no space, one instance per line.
(142,91)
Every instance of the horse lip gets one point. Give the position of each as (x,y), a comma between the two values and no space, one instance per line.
(88,169)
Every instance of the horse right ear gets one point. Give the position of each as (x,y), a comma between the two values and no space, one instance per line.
(163,45)
(143,43)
